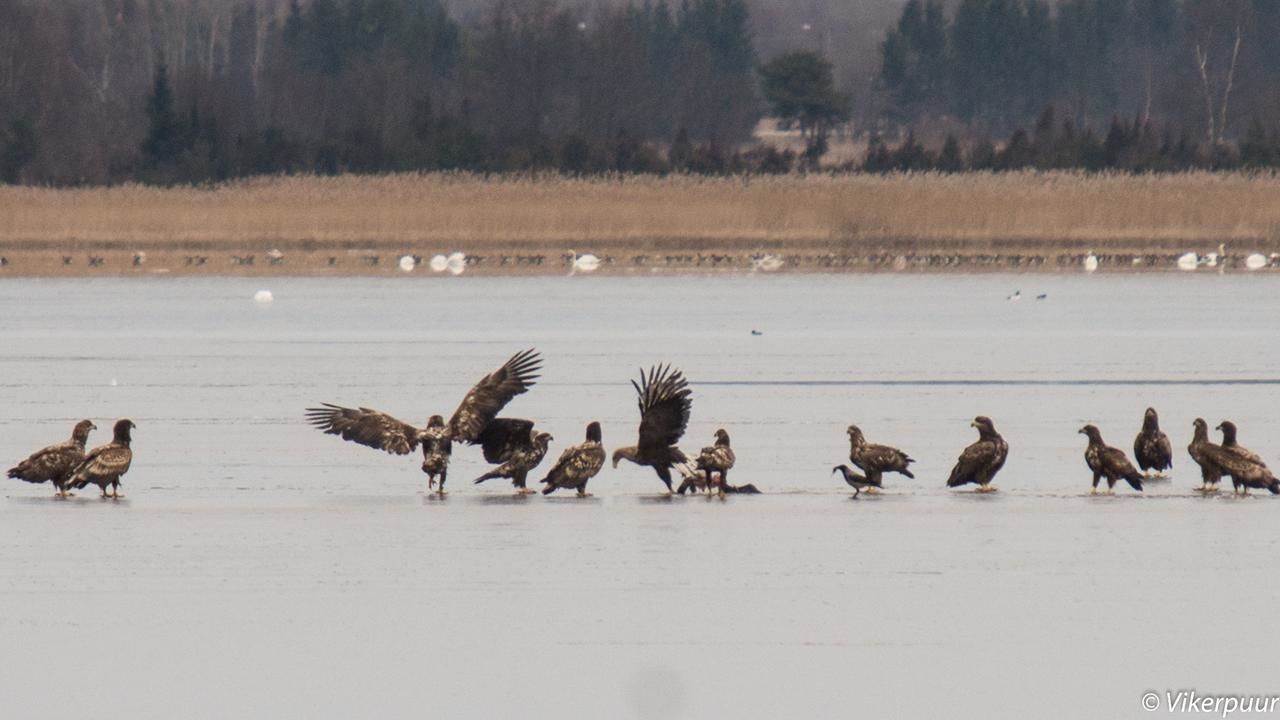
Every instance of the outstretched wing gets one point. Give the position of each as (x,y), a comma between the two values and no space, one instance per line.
(504,436)
(492,393)
(367,427)
(664,407)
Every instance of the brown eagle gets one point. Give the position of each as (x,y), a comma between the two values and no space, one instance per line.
(855,481)
(1205,454)
(577,464)
(1252,472)
(1106,461)
(875,460)
(664,414)
(1151,447)
(517,447)
(56,463)
(980,462)
(106,464)
(476,415)
(717,458)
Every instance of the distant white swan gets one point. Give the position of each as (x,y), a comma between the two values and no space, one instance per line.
(767,263)
(263,297)
(1189,261)
(1017,295)
(407,263)
(457,263)
(1256,261)
(1090,262)
(584,263)
(439,263)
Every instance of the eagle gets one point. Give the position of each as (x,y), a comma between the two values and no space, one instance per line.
(106,464)
(856,481)
(664,414)
(980,462)
(474,422)
(57,462)
(1252,473)
(1106,461)
(874,460)
(577,464)
(1151,447)
(1205,454)
(717,458)
(517,447)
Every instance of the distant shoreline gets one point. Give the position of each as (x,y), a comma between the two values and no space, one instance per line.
(363,226)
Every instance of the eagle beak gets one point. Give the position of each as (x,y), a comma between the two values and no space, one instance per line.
(1080,431)
(973,424)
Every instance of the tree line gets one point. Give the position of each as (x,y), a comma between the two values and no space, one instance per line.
(171,91)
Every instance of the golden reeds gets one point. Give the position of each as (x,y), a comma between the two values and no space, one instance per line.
(1022,207)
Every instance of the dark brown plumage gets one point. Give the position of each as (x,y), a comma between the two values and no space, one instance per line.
(875,460)
(517,457)
(471,422)
(106,464)
(1202,451)
(577,464)
(56,463)
(855,481)
(1106,461)
(718,458)
(1246,468)
(664,414)
(980,462)
(1151,447)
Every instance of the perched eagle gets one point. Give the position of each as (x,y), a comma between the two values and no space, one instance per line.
(1252,472)
(718,458)
(518,448)
(106,464)
(855,481)
(1151,447)
(664,415)
(875,460)
(980,462)
(1106,461)
(577,464)
(56,463)
(476,415)
(1206,454)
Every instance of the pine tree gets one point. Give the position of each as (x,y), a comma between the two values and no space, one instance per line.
(162,144)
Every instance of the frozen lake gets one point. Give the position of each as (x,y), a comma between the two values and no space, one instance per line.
(259,568)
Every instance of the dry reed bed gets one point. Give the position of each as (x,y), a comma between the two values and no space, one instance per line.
(848,210)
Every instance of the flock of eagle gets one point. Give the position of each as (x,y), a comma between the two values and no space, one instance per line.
(517,448)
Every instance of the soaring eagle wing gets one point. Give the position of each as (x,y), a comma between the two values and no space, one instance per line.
(664,408)
(367,427)
(104,461)
(50,463)
(503,437)
(973,460)
(492,393)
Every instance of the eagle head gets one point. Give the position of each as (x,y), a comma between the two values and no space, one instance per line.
(594,435)
(435,421)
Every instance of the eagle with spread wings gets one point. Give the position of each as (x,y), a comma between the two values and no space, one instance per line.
(475,422)
(664,415)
